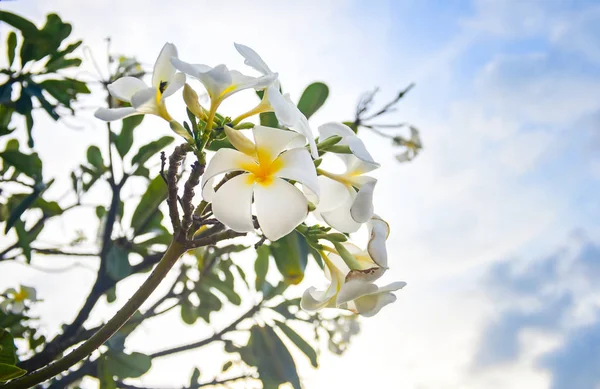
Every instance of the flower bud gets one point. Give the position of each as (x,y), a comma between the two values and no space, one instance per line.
(191,101)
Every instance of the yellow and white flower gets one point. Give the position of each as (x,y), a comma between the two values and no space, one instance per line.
(285,110)
(220,82)
(15,300)
(352,273)
(144,99)
(265,167)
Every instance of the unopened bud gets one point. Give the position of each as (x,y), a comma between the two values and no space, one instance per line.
(191,101)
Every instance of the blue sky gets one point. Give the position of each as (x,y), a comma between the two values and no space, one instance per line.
(495,225)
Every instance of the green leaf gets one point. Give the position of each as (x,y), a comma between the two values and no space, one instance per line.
(224,288)
(105,376)
(94,157)
(17,211)
(26,27)
(195,377)
(226,366)
(124,140)
(291,256)
(30,165)
(149,150)
(313,98)
(7,348)
(111,295)
(302,344)
(148,206)
(9,372)
(269,119)
(127,365)
(261,266)
(11,45)
(188,312)
(117,263)
(269,354)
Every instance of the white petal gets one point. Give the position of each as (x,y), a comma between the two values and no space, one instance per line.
(340,218)
(225,160)
(354,289)
(244,82)
(369,274)
(240,142)
(371,305)
(18,307)
(330,129)
(304,128)
(298,166)
(314,300)
(144,101)
(31,293)
(111,114)
(286,111)
(270,142)
(378,233)
(216,81)
(356,166)
(208,190)
(174,85)
(333,194)
(232,204)
(163,69)
(362,207)
(252,59)
(194,70)
(359,149)
(124,88)
(280,207)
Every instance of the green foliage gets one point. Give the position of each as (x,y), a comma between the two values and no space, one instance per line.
(261,266)
(268,353)
(148,206)
(313,98)
(8,358)
(117,263)
(302,344)
(151,149)
(124,140)
(291,255)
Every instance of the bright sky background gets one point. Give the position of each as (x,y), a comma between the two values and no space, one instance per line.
(494,226)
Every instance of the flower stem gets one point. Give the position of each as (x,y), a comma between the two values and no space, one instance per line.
(169,259)
(260,108)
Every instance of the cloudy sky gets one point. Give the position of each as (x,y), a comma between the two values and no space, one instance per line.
(494,226)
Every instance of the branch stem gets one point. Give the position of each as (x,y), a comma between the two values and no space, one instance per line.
(170,257)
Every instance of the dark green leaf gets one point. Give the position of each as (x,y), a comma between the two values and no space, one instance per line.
(6,92)
(34,90)
(117,263)
(269,119)
(148,206)
(31,165)
(291,255)
(7,348)
(188,312)
(94,157)
(261,266)
(11,44)
(124,140)
(313,98)
(269,354)
(302,344)
(111,295)
(26,27)
(148,151)
(226,366)
(16,212)
(195,377)
(9,372)
(127,365)
(24,104)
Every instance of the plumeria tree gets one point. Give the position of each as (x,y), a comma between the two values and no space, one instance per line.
(257,184)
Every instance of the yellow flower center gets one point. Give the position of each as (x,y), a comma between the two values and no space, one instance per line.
(21,295)
(263,171)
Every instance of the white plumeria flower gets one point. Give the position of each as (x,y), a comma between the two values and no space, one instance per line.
(347,198)
(16,299)
(285,110)
(265,164)
(145,99)
(220,82)
(354,289)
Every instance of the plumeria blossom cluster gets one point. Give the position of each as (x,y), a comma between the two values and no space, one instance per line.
(270,179)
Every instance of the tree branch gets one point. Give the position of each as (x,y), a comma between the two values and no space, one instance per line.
(214,382)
